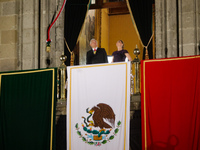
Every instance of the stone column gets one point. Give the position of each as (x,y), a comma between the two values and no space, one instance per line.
(198,26)
(28,34)
(59,35)
(166,28)
(29,28)
(189,27)
(165,14)
(48,9)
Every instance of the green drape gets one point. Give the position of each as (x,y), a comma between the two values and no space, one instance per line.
(27,110)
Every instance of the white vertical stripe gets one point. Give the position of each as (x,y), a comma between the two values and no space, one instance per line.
(87,87)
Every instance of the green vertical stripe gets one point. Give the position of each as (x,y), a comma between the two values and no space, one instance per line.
(26,109)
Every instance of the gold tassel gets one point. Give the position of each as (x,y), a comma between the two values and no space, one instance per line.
(72,54)
(146,53)
(72,59)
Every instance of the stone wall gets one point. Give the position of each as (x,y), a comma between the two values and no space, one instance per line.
(48,8)
(33,22)
(23,34)
(166,28)
(8,35)
(28,34)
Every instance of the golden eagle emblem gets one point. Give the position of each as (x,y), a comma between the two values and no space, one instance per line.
(103,117)
(101,112)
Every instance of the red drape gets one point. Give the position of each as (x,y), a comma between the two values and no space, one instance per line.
(170,104)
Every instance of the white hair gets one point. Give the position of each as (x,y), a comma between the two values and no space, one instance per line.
(93,40)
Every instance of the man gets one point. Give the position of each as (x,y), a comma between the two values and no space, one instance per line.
(96,55)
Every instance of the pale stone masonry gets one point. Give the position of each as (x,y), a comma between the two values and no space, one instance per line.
(29,29)
(8,35)
(19,34)
(188,27)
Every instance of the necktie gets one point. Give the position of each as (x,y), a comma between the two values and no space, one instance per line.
(95,51)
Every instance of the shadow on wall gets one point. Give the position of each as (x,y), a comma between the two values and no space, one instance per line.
(169,145)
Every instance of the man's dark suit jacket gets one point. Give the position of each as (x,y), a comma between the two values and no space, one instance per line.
(99,57)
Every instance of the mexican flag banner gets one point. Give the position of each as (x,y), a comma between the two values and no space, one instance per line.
(98,107)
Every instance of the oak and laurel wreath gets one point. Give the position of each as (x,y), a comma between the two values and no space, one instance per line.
(104,141)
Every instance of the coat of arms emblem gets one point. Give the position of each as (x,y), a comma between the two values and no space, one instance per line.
(99,126)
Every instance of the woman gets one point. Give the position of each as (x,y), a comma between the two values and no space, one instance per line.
(121,54)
